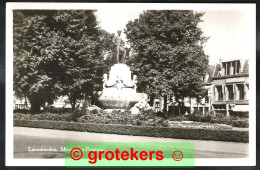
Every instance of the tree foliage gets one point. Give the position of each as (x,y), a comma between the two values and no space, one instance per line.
(56,53)
(30,80)
(108,49)
(168,52)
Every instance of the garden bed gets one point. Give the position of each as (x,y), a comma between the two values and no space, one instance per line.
(146,118)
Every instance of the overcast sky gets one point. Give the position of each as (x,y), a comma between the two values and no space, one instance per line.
(228,31)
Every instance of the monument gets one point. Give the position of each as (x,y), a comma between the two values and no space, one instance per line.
(119,88)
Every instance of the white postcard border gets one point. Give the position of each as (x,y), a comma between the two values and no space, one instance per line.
(251,8)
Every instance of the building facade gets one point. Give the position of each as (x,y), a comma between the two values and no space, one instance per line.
(20,104)
(231,87)
(227,84)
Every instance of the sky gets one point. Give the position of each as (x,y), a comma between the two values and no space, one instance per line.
(227,31)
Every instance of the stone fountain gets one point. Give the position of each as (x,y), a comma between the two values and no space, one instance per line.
(119,88)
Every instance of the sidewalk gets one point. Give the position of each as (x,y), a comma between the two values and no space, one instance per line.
(26,137)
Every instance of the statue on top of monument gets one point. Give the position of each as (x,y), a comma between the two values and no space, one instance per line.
(117,41)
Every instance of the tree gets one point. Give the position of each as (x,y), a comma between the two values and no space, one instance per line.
(77,47)
(168,52)
(62,53)
(30,80)
(108,49)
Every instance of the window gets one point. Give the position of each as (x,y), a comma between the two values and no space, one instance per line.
(220,93)
(157,106)
(237,67)
(196,102)
(231,68)
(228,68)
(230,94)
(241,91)
(224,69)
(207,99)
(246,91)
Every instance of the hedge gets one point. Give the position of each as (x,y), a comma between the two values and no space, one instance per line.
(167,132)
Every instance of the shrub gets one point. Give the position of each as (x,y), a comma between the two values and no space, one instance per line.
(24,111)
(178,118)
(69,118)
(195,117)
(138,122)
(240,114)
(160,121)
(240,123)
(77,114)
(165,124)
(52,109)
(107,121)
(94,111)
(207,118)
(197,112)
(161,114)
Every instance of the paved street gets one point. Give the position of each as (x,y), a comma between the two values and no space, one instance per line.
(56,139)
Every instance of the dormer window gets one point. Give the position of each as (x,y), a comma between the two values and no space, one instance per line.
(228,68)
(237,70)
(224,69)
(231,68)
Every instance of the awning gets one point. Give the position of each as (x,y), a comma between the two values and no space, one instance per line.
(241,108)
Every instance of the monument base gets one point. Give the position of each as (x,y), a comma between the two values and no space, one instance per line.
(119,91)
(113,98)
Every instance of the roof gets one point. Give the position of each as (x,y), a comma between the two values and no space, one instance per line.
(217,68)
(210,71)
(244,68)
